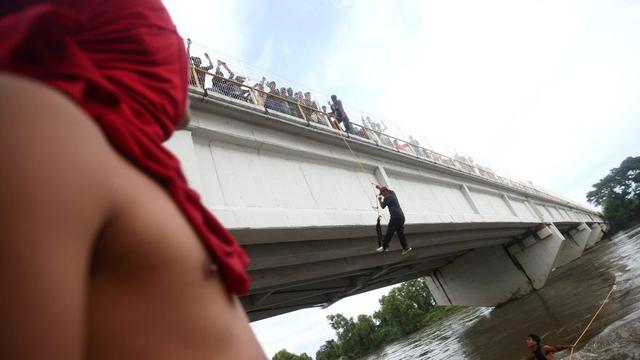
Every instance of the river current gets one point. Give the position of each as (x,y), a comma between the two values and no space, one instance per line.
(558,313)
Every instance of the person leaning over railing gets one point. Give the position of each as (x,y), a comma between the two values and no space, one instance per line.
(197,63)
(237,91)
(338,110)
(219,83)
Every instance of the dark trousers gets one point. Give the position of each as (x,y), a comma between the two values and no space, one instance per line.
(396,224)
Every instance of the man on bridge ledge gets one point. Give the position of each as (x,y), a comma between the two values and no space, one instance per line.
(387,198)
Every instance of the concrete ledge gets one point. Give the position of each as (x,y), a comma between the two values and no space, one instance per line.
(573,247)
(595,236)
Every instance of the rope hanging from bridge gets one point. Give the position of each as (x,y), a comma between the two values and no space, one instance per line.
(375,206)
(591,321)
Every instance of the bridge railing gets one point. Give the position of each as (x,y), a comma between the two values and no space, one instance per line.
(299,106)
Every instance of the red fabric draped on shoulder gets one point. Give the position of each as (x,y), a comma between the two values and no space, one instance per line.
(125,65)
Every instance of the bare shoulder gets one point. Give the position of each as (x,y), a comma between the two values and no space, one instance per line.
(56,155)
(53,200)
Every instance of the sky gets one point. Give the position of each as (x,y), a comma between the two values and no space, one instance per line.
(546,91)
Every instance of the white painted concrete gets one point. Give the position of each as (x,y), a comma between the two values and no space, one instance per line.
(574,245)
(494,275)
(538,258)
(301,204)
(482,277)
(595,236)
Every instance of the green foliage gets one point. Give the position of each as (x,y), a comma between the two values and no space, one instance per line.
(285,355)
(329,351)
(405,309)
(355,337)
(618,194)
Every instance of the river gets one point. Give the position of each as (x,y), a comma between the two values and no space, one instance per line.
(558,312)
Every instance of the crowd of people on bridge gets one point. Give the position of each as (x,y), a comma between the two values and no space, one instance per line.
(286,100)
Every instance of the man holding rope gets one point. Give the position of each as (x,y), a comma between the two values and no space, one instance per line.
(387,198)
(542,352)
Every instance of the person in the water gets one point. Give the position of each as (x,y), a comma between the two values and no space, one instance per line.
(542,352)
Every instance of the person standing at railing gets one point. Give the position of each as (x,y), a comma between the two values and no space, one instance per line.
(309,107)
(338,110)
(260,94)
(416,146)
(388,198)
(273,101)
(292,103)
(200,71)
(284,104)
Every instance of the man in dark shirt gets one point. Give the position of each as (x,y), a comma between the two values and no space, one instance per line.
(387,198)
(340,114)
(542,352)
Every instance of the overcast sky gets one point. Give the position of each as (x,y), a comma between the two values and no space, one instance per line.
(547,91)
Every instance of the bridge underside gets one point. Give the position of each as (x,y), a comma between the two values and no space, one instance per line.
(318,266)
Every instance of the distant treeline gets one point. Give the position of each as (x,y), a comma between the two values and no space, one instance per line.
(404,310)
(618,194)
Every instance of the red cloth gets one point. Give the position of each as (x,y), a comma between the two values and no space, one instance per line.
(124,63)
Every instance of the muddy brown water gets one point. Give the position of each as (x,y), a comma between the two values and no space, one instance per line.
(558,312)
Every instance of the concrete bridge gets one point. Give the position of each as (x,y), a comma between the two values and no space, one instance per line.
(299,200)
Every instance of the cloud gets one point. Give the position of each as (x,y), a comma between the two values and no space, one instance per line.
(284,47)
(265,59)
(214,24)
(527,88)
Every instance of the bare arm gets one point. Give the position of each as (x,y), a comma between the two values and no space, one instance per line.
(52,208)
(210,66)
(555,348)
(231,75)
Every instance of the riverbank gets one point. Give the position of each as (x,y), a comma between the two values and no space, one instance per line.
(558,312)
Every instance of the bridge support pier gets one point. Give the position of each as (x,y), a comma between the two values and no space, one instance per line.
(595,236)
(572,248)
(493,275)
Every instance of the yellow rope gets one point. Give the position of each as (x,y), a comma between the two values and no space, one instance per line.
(376,206)
(590,322)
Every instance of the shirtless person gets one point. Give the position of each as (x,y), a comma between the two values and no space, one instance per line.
(542,352)
(104,251)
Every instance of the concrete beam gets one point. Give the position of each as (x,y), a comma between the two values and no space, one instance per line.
(285,254)
(538,254)
(572,248)
(494,275)
(483,277)
(595,236)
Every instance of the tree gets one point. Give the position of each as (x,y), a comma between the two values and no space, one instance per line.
(404,309)
(618,194)
(285,355)
(329,351)
(355,338)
